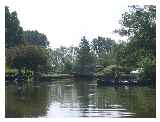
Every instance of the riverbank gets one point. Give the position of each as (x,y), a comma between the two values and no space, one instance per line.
(123,79)
(10,77)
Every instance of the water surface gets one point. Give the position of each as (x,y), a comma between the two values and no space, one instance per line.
(79,98)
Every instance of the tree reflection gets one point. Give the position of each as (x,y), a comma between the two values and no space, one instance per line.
(29,101)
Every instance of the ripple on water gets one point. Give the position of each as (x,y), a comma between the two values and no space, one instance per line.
(68,85)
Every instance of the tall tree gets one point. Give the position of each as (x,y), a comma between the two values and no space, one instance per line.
(85,64)
(13,30)
(101,46)
(139,24)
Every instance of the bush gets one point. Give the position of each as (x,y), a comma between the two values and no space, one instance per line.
(148,74)
(29,57)
(111,70)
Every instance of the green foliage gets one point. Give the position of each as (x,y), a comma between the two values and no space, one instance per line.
(113,71)
(138,20)
(24,50)
(62,59)
(139,24)
(101,47)
(68,67)
(27,57)
(13,30)
(109,59)
(35,38)
(85,63)
(148,72)
(119,53)
(11,73)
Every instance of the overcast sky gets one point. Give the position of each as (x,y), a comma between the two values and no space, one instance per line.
(65,21)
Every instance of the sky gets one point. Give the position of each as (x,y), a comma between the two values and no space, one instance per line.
(65,22)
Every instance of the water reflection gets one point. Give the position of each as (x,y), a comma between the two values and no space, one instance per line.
(29,101)
(79,99)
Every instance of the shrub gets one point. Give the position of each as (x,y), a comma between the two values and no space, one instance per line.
(148,74)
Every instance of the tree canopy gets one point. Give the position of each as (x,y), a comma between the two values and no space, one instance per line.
(35,38)
(27,57)
(101,46)
(139,24)
(85,62)
(63,59)
(13,30)
(24,49)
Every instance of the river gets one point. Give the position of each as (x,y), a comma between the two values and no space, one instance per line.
(79,98)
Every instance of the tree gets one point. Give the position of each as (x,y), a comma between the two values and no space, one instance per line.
(68,67)
(13,30)
(63,59)
(148,73)
(85,63)
(35,38)
(101,47)
(139,24)
(33,58)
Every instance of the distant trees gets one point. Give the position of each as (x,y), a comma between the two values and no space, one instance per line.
(101,47)
(63,59)
(82,60)
(13,30)
(35,38)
